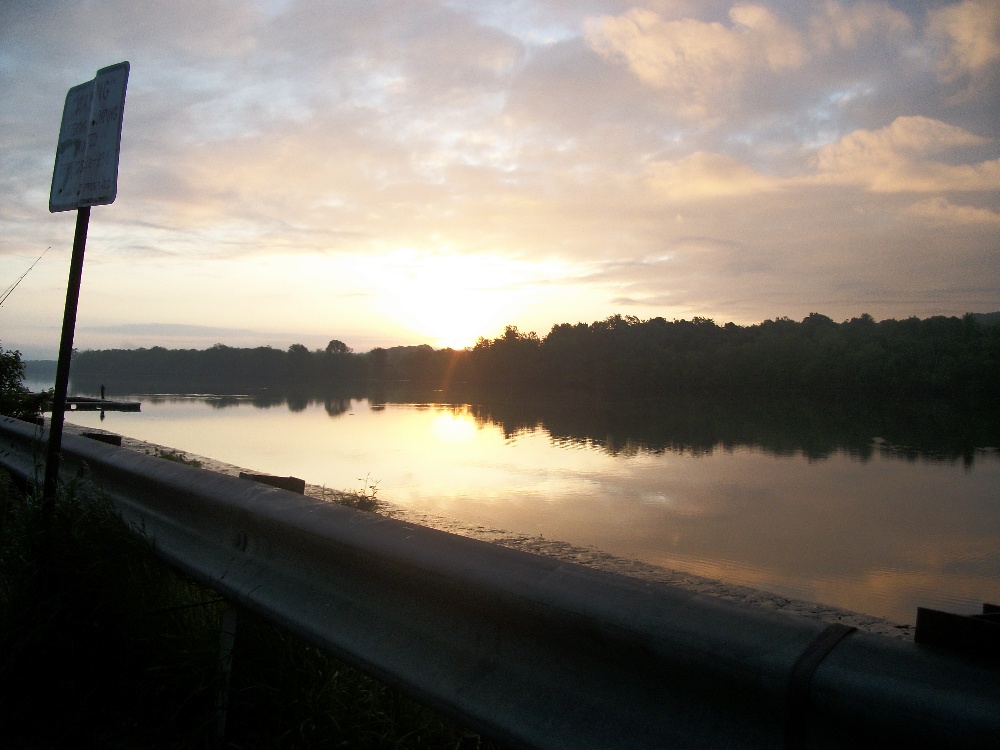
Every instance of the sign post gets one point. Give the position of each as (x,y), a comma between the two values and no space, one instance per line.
(85,175)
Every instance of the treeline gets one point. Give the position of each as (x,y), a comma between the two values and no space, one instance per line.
(940,356)
(220,365)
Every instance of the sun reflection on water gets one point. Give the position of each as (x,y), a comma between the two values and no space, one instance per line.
(450,427)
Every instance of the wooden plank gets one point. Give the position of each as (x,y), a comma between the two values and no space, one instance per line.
(292,484)
(973,636)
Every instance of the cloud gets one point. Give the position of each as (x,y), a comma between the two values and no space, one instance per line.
(706,175)
(896,159)
(712,68)
(969,35)
(940,211)
(697,60)
(851,26)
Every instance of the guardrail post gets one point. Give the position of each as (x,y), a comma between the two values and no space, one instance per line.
(227,640)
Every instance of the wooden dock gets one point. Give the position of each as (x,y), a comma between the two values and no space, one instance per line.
(84,403)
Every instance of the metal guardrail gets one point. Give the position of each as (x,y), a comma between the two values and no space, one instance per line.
(533,651)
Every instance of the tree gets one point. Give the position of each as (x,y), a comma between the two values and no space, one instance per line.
(338,347)
(11,373)
(15,399)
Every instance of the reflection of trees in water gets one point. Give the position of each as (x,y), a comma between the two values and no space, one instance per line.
(813,428)
(297,402)
(336,406)
(224,402)
(336,401)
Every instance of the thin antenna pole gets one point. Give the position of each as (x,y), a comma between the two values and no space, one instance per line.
(10,290)
(65,353)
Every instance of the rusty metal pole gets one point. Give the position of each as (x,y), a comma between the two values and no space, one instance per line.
(65,353)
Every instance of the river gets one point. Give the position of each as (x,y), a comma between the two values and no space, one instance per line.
(853,509)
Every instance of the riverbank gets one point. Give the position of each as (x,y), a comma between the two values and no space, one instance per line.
(587,556)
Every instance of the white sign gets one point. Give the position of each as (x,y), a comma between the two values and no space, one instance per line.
(86,169)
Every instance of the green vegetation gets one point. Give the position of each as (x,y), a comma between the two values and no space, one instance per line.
(176,456)
(15,400)
(105,646)
(364,498)
(957,358)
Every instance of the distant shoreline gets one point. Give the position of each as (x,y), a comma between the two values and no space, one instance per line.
(587,556)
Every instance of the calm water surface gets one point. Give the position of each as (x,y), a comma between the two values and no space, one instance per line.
(875,528)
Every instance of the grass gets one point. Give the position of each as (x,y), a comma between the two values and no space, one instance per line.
(103,645)
(364,498)
(176,456)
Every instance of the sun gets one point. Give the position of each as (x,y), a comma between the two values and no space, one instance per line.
(449,299)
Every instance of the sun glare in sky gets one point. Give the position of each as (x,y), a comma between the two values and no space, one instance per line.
(449,299)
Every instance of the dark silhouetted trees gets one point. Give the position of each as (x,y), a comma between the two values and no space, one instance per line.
(15,399)
(939,356)
(337,347)
(621,355)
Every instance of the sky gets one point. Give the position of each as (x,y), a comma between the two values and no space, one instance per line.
(429,171)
